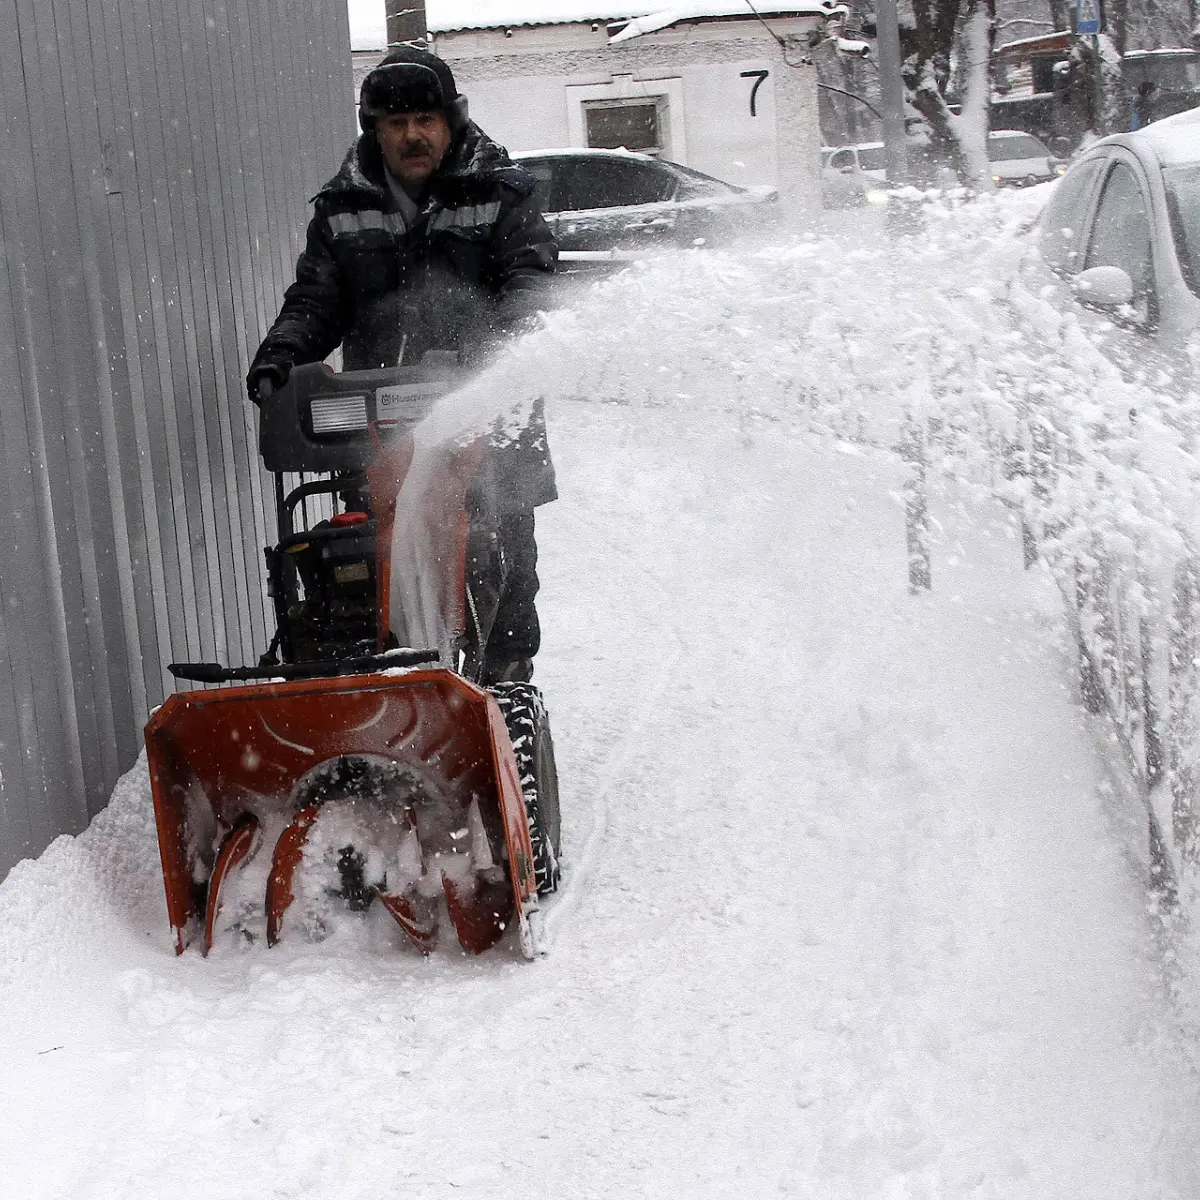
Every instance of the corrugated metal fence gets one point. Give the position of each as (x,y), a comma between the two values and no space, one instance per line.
(156,157)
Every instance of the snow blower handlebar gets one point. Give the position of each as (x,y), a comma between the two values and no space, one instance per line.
(216,673)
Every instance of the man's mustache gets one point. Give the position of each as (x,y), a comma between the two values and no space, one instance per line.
(418,150)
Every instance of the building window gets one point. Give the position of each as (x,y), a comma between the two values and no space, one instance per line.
(645,115)
(635,124)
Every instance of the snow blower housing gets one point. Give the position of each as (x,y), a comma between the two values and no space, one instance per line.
(346,768)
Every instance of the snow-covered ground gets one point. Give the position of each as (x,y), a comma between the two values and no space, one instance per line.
(853,906)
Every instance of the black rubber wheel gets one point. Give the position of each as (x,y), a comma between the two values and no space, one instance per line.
(524,713)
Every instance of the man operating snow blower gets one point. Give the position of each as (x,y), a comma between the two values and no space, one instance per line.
(388,751)
(429,238)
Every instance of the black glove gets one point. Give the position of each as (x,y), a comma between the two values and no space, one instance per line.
(265,378)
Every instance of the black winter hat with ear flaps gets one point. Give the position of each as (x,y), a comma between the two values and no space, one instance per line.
(411,80)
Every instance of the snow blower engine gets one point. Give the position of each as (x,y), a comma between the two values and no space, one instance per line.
(351,766)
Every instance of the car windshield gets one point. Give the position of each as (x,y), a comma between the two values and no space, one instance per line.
(1183,198)
(694,184)
(871,158)
(1023,146)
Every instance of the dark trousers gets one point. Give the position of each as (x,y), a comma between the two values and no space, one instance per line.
(516,633)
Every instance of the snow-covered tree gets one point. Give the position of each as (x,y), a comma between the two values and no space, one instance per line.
(947,46)
(1142,25)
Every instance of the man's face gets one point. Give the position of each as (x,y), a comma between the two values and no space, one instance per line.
(413,144)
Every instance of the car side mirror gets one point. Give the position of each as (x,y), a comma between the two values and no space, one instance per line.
(1103,287)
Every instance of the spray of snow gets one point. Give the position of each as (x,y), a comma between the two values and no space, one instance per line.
(491,406)
(866,341)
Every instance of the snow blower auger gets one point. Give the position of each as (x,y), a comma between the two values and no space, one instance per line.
(346,768)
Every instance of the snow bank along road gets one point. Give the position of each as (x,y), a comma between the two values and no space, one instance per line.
(848,913)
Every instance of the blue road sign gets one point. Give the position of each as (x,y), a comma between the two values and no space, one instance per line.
(1088,16)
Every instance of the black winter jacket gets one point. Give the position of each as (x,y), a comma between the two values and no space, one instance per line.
(473,266)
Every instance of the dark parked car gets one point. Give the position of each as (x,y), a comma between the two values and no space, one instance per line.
(607,207)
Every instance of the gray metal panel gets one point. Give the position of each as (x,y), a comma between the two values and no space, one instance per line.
(112,609)
(242,182)
(135,239)
(155,151)
(210,548)
(19,778)
(159,158)
(34,785)
(130,543)
(224,204)
(143,584)
(57,361)
(185,421)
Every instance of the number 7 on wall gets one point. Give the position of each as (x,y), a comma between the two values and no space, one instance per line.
(759,78)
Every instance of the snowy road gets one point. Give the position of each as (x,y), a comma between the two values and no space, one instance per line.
(849,912)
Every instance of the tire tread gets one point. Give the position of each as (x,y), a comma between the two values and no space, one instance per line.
(524,712)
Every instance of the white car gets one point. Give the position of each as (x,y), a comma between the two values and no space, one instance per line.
(855,174)
(1117,247)
(1019,159)
(1121,235)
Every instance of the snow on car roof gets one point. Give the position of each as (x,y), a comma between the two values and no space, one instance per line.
(444,16)
(1175,140)
(1162,52)
(581,152)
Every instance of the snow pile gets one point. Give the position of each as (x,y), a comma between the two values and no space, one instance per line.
(853,903)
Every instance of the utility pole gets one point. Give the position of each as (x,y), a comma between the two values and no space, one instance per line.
(891,87)
(406,23)
(901,217)
(1089,21)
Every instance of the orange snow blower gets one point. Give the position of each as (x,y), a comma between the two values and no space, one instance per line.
(355,763)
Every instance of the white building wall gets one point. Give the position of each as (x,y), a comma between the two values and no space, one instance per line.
(739,146)
(712,128)
(522,114)
(526,90)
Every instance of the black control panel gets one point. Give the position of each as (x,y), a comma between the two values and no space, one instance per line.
(322,421)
